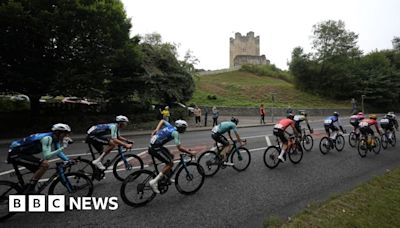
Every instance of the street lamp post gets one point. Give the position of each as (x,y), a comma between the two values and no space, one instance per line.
(362,102)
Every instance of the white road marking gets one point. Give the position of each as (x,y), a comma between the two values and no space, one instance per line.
(268,141)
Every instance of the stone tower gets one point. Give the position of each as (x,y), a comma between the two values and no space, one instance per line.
(245,49)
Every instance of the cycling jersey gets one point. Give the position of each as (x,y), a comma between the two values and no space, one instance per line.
(299,118)
(367,123)
(284,123)
(104,129)
(165,135)
(355,120)
(224,127)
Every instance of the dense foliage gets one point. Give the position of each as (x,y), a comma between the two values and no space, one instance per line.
(338,69)
(82,48)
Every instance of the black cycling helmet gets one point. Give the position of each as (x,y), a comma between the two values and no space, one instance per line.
(235,120)
(335,113)
(290,116)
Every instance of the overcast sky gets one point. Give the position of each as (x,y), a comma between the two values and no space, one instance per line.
(205,26)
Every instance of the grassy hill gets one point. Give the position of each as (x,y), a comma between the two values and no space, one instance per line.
(240,88)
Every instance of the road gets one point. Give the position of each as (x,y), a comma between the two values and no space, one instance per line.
(230,198)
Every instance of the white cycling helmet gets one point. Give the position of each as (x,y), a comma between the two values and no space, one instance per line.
(61,127)
(121,118)
(181,123)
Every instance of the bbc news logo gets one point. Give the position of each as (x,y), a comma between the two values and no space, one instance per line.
(57,203)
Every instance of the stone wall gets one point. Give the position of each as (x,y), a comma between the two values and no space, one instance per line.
(253,111)
(250,59)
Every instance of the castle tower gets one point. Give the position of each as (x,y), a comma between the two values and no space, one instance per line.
(244,46)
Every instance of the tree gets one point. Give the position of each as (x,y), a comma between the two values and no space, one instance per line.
(396,43)
(60,47)
(332,39)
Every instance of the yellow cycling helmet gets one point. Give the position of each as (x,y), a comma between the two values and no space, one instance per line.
(373,116)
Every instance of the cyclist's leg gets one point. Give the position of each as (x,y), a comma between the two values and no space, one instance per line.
(36,165)
(98,143)
(371,132)
(327,127)
(162,154)
(281,135)
(335,131)
(219,138)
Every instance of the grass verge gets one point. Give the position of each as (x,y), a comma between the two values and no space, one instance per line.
(372,204)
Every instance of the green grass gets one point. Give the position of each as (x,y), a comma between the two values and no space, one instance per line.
(373,204)
(238,88)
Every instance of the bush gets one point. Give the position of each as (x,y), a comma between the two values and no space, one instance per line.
(268,70)
(212,97)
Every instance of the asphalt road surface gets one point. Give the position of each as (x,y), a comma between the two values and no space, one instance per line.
(230,198)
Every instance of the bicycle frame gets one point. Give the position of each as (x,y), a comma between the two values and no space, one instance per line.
(174,169)
(109,162)
(59,173)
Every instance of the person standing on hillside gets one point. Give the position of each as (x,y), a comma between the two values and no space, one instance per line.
(197,116)
(165,113)
(262,114)
(215,115)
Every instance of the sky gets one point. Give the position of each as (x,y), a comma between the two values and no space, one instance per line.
(205,26)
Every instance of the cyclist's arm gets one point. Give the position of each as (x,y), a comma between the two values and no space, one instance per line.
(159,126)
(238,137)
(308,125)
(340,125)
(178,144)
(294,128)
(377,128)
(46,149)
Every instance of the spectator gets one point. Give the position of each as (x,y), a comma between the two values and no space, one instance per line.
(165,113)
(205,116)
(197,115)
(262,114)
(289,110)
(215,114)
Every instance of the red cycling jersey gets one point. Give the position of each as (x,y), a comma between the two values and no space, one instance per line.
(284,123)
(369,123)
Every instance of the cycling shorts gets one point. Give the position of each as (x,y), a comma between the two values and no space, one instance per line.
(98,142)
(366,130)
(220,138)
(161,153)
(28,161)
(279,133)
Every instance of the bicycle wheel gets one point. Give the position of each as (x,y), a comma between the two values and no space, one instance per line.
(362,148)
(83,166)
(340,143)
(325,145)
(384,141)
(120,171)
(7,188)
(189,179)
(352,139)
(271,159)
(135,190)
(81,185)
(210,162)
(377,147)
(241,159)
(308,143)
(296,153)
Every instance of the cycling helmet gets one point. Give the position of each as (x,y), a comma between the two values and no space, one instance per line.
(373,116)
(235,120)
(390,113)
(181,124)
(121,118)
(61,127)
(360,113)
(335,113)
(290,116)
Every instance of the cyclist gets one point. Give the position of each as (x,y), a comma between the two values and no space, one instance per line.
(218,135)
(365,128)
(49,144)
(389,122)
(355,121)
(329,124)
(164,133)
(98,137)
(302,116)
(279,132)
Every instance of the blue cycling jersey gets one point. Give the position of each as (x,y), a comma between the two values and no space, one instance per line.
(165,135)
(104,129)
